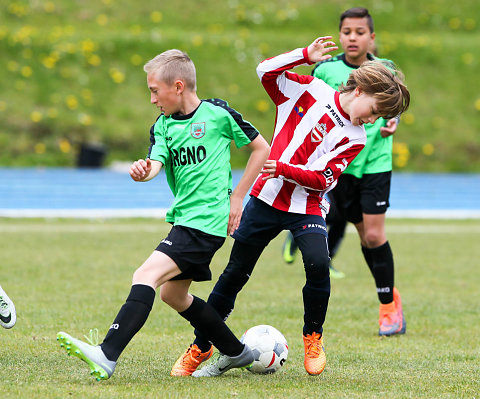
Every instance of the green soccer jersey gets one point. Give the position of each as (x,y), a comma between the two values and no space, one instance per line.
(195,150)
(376,157)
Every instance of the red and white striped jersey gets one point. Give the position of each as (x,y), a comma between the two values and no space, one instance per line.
(313,141)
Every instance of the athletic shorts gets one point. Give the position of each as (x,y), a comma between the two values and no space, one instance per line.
(192,250)
(369,194)
(261,223)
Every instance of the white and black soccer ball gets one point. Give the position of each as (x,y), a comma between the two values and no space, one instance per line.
(269,347)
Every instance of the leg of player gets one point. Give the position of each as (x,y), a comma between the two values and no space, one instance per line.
(8,316)
(316,294)
(242,260)
(378,255)
(102,359)
(336,231)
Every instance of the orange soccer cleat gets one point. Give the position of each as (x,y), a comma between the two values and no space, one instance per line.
(315,359)
(190,360)
(391,319)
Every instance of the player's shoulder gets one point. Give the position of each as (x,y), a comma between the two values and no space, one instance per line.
(331,62)
(385,61)
(217,102)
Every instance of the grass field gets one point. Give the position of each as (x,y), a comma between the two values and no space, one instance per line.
(74,275)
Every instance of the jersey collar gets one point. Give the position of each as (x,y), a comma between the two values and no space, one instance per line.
(370,57)
(180,117)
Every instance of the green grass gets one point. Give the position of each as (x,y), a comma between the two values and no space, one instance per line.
(73,71)
(74,275)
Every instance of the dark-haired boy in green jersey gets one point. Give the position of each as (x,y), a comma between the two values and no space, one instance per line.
(191,138)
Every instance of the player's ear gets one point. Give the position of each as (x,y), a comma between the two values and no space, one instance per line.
(179,86)
(358,91)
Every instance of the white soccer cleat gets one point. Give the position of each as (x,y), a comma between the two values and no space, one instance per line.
(8,316)
(224,363)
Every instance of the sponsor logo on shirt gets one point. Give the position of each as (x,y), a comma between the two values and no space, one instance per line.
(189,155)
(335,115)
(197,130)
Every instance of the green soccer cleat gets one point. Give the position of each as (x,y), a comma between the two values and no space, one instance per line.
(289,249)
(223,363)
(335,273)
(100,367)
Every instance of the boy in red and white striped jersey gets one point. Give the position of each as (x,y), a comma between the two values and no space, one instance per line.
(318,132)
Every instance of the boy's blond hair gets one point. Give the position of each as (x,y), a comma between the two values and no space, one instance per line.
(172,65)
(384,84)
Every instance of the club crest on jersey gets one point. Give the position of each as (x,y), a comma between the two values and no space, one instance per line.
(197,130)
(318,132)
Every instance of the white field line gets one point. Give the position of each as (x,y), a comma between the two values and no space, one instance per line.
(159,213)
(157,226)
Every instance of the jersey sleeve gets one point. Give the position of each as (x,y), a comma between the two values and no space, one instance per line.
(158,150)
(236,128)
(274,75)
(325,171)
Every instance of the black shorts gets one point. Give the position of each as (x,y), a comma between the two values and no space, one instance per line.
(192,250)
(261,223)
(369,195)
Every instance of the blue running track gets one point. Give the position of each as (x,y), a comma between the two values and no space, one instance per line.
(91,193)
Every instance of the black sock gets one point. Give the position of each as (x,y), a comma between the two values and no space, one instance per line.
(237,273)
(130,319)
(383,271)
(204,318)
(368,259)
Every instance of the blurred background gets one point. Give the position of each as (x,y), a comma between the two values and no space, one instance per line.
(72,71)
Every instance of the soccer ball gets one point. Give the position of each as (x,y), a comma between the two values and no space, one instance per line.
(269,347)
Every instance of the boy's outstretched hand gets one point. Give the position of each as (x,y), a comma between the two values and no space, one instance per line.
(318,50)
(140,169)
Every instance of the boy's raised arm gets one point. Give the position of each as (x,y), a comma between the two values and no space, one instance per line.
(272,71)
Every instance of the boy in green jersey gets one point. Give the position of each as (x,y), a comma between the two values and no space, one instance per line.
(191,138)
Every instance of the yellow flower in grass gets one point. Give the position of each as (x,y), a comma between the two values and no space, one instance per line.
(467,58)
(454,23)
(85,119)
(64,145)
(117,76)
(136,59)
(39,148)
(36,116)
(26,71)
(428,149)
(71,101)
(102,19)
(49,7)
(156,16)
(197,40)
(262,106)
(469,24)
(408,118)
(88,46)
(94,60)
(477,104)
(3,106)
(401,154)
